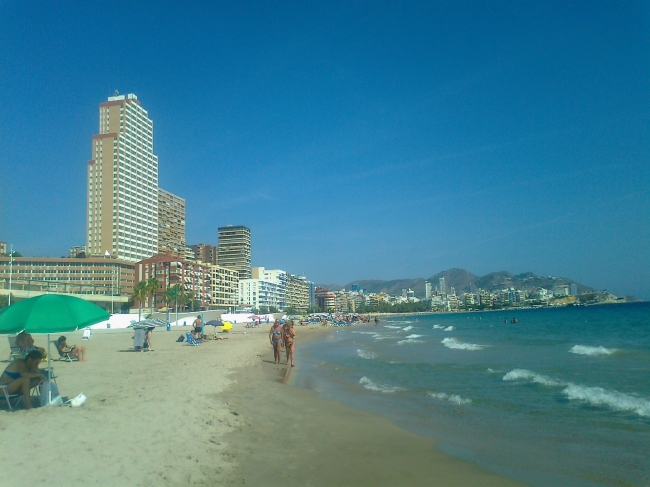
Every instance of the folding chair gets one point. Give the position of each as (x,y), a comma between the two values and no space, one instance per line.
(88,334)
(64,356)
(14,349)
(191,340)
(10,397)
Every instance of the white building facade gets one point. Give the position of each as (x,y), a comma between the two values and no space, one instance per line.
(122,206)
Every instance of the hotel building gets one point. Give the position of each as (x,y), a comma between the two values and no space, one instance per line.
(171,223)
(234,249)
(205,253)
(76,276)
(122,216)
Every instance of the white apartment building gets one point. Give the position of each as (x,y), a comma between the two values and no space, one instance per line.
(259,293)
(122,216)
(277,276)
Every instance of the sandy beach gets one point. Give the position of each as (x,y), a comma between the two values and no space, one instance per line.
(217,414)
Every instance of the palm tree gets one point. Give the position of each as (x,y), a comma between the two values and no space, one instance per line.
(189,296)
(152,287)
(139,294)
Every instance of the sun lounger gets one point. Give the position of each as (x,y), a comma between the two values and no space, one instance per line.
(5,396)
(191,340)
(64,356)
(14,350)
(88,334)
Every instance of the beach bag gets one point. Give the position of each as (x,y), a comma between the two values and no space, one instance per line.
(180,339)
(45,393)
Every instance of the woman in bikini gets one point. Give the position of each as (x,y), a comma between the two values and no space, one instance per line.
(22,375)
(275,336)
(288,334)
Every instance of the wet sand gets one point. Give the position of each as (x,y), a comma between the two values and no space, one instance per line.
(290,437)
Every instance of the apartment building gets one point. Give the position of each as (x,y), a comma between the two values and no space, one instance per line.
(234,249)
(122,204)
(205,253)
(259,294)
(297,293)
(171,222)
(214,286)
(277,276)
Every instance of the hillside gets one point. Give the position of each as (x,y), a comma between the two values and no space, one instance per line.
(460,280)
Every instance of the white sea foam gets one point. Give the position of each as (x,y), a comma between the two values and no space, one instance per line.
(587,350)
(365,354)
(394,327)
(530,376)
(407,328)
(366,332)
(613,399)
(385,337)
(491,371)
(410,340)
(453,398)
(449,328)
(413,336)
(455,344)
(438,327)
(375,386)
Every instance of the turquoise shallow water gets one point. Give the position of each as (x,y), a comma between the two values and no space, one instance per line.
(560,398)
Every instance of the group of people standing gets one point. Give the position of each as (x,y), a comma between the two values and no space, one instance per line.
(282,335)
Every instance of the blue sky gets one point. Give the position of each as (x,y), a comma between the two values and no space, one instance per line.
(357,140)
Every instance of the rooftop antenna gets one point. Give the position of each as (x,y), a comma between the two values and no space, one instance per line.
(117,93)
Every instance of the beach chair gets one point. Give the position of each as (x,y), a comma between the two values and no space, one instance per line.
(5,396)
(191,340)
(64,356)
(14,350)
(88,334)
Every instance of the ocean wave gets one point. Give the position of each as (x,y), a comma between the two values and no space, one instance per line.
(407,328)
(410,340)
(587,350)
(385,337)
(613,399)
(530,376)
(366,332)
(455,344)
(376,386)
(413,336)
(452,398)
(365,354)
(449,328)
(438,327)
(395,327)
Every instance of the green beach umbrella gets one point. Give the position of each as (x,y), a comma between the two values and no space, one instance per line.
(50,313)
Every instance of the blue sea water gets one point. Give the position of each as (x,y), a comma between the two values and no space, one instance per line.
(560,398)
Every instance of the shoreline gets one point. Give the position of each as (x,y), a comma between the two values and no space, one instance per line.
(289,436)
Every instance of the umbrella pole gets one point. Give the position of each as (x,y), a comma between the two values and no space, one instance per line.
(49,371)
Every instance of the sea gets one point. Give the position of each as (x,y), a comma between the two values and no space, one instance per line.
(561,397)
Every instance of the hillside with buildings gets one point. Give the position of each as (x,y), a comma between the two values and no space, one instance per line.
(461,281)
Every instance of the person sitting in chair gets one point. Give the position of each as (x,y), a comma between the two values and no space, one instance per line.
(26,343)
(74,351)
(22,375)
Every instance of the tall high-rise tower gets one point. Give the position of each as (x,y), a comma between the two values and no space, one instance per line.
(171,222)
(443,289)
(234,250)
(123,183)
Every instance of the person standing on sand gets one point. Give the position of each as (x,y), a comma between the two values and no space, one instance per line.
(288,334)
(198,325)
(275,336)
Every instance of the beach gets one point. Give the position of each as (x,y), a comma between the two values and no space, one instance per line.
(215,414)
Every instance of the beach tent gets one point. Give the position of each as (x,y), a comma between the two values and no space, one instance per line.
(50,313)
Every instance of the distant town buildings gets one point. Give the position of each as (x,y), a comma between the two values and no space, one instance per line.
(443,289)
(77,252)
(122,205)
(427,290)
(297,293)
(234,249)
(171,223)
(3,248)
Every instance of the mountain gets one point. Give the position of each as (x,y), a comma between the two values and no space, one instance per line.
(460,280)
